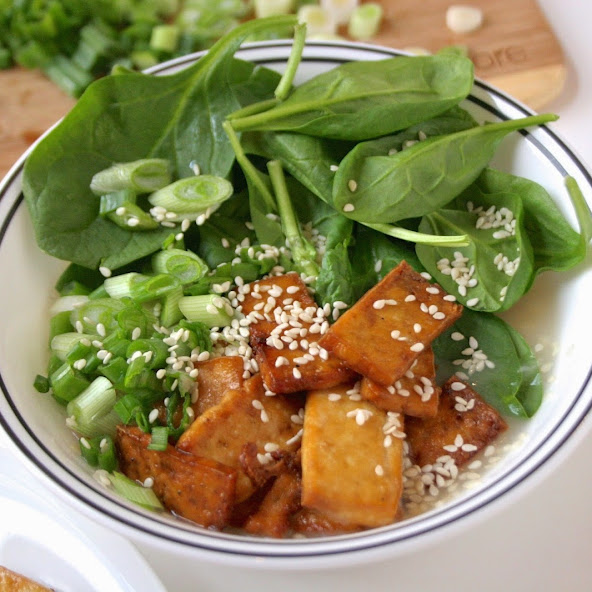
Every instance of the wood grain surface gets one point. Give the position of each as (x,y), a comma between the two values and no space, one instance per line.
(515,50)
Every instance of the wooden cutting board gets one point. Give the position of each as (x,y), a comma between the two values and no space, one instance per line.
(515,50)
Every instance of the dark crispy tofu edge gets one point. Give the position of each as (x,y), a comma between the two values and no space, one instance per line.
(314,523)
(198,489)
(479,426)
(272,518)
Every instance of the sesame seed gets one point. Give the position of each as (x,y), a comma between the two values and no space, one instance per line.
(473,302)
(352,185)
(148,482)
(417,347)
(379,470)
(349,207)
(457,386)
(105,271)
(456,336)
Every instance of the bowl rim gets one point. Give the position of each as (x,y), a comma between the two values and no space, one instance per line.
(136,523)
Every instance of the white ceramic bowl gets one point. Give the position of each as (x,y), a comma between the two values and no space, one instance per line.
(551,314)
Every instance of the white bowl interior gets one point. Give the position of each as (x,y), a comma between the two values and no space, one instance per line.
(552,314)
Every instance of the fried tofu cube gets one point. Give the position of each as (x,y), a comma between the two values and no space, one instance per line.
(415,393)
(312,523)
(464,425)
(244,415)
(284,336)
(351,464)
(215,377)
(272,519)
(385,331)
(199,489)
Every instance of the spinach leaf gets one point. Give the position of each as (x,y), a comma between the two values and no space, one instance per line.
(373,255)
(126,117)
(556,245)
(334,282)
(362,100)
(310,160)
(223,231)
(420,179)
(494,359)
(495,269)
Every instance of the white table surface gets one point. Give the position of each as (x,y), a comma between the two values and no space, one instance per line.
(543,540)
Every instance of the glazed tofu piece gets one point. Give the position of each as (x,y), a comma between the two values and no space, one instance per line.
(215,377)
(465,425)
(199,489)
(415,393)
(244,415)
(284,335)
(385,331)
(272,519)
(351,463)
(312,523)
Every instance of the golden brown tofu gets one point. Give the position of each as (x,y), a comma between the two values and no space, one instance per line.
(415,393)
(313,523)
(385,331)
(464,425)
(288,371)
(285,337)
(199,489)
(351,466)
(272,519)
(11,581)
(216,376)
(244,415)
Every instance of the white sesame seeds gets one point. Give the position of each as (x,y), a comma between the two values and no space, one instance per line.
(458,386)
(349,207)
(473,302)
(352,185)
(361,415)
(417,347)
(105,271)
(379,470)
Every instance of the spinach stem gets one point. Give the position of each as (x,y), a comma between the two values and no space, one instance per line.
(419,237)
(582,209)
(303,253)
(285,83)
(253,109)
(247,166)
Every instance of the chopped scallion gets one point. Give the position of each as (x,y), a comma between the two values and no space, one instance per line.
(134,492)
(210,309)
(142,176)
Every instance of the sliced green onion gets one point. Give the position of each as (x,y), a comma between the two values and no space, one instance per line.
(59,324)
(83,357)
(63,343)
(99,452)
(68,75)
(318,21)
(142,176)
(110,202)
(340,10)
(186,266)
(99,292)
(102,424)
(134,492)
(143,58)
(365,21)
(74,288)
(164,38)
(115,371)
(158,351)
(265,8)
(67,303)
(116,343)
(153,287)
(97,316)
(159,439)
(41,384)
(133,217)
(120,286)
(127,407)
(93,402)
(192,195)
(170,312)
(67,383)
(210,309)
